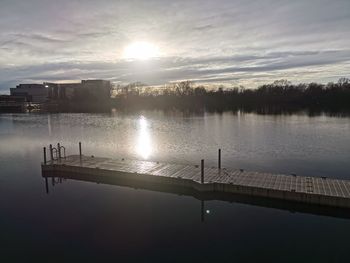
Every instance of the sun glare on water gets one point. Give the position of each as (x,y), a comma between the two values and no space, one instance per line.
(141,50)
(144,144)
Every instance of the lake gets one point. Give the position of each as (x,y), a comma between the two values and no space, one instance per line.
(82,221)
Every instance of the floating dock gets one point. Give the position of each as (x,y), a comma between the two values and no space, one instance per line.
(208,180)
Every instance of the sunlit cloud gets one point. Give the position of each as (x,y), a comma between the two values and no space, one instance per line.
(228,41)
(141,50)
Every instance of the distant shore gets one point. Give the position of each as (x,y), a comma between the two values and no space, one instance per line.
(280,97)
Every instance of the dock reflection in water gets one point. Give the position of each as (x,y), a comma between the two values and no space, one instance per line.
(61,177)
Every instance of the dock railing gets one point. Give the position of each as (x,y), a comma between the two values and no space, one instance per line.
(55,153)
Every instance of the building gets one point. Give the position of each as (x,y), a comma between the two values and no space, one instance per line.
(62,91)
(10,103)
(36,93)
(97,88)
(12,98)
(85,90)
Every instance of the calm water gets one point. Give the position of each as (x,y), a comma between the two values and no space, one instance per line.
(80,221)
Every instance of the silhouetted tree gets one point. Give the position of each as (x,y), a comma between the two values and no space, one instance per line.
(280,94)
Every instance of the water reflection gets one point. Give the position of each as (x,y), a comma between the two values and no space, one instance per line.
(60,177)
(144,144)
(49,123)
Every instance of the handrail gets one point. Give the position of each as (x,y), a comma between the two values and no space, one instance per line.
(55,152)
(64,151)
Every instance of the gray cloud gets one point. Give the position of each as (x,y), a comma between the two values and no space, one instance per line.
(211,69)
(243,42)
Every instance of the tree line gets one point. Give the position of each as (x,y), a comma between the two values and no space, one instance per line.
(280,95)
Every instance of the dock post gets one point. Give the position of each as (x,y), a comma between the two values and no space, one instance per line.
(80,149)
(46,185)
(219,158)
(202,211)
(51,153)
(59,150)
(44,155)
(202,171)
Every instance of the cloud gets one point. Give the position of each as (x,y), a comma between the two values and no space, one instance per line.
(244,42)
(246,69)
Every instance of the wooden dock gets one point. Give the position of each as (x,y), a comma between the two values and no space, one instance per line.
(308,190)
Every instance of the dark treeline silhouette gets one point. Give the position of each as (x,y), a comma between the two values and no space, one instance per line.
(279,97)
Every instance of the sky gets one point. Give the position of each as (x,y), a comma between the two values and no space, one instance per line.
(231,42)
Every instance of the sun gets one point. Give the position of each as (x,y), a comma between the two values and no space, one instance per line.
(141,50)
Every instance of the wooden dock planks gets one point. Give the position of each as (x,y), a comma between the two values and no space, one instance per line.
(334,192)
